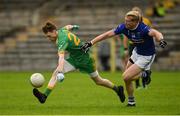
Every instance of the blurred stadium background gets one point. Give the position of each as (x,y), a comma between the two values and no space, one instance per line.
(24,47)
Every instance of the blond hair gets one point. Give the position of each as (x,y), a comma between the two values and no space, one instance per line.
(135,14)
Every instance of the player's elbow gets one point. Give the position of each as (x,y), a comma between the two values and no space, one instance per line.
(110,33)
(68,27)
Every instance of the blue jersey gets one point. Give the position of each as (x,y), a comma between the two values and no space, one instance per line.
(139,37)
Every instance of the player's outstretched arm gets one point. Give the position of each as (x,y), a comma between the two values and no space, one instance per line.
(57,72)
(158,37)
(99,38)
(60,61)
(103,36)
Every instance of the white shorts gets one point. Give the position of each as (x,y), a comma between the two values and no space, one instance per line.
(144,62)
(68,68)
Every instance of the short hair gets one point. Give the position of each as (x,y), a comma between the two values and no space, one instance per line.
(135,14)
(137,9)
(49,27)
(140,12)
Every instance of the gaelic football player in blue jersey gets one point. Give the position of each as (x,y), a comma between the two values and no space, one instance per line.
(143,54)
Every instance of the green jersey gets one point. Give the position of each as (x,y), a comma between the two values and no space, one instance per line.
(67,41)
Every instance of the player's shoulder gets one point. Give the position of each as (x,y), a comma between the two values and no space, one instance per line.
(62,34)
(143,26)
(62,29)
(121,26)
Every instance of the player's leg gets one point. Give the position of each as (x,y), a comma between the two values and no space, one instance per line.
(88,65)
(137,83)
(52,82)
(140,63)
(131,47)
(106,83)
(129,76)
(128,82)
(130,62)
(146,77)
(101,81)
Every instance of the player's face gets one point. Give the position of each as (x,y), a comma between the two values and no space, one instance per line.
(52,36)
(130,22)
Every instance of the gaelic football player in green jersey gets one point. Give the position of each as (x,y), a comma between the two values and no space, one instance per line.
(69,42)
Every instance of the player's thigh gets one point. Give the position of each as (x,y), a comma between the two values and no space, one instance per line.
(89,67)
(129,63)
(131,72)
(132,59)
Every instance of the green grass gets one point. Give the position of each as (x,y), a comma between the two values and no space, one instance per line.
(78,95)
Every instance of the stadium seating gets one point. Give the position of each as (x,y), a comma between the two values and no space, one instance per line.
(33,52)
(16,14)
(170,27)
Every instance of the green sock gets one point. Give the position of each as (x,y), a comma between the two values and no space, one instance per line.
(47,91)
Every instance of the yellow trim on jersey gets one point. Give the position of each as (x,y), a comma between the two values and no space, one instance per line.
(76,40)
(69,36)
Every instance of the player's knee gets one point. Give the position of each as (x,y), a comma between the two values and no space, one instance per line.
(126,77)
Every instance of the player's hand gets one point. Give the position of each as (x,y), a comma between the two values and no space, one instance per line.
(85,47)
(60,76)
(163,43)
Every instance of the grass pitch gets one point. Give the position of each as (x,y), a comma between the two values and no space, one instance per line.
(78,95)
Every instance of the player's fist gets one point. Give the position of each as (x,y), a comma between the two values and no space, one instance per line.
(163,43)
(60,77)
(85,47)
